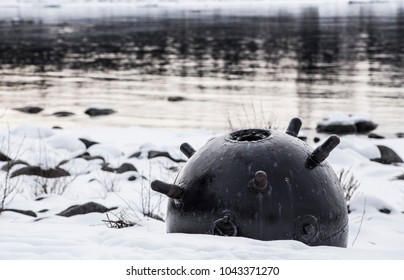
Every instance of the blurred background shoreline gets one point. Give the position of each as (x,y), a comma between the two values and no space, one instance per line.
(190,64)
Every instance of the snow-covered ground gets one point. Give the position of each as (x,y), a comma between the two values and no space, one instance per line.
(376,223)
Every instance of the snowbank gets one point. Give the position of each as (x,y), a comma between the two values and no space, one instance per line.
(375,220)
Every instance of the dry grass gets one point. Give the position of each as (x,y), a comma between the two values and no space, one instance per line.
(349,184)
(121,220)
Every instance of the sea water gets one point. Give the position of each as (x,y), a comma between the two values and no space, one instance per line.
(234,65)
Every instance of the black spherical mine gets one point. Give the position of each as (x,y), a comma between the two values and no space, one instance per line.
(261,184)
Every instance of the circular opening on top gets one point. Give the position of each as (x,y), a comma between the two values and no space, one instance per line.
(249,135)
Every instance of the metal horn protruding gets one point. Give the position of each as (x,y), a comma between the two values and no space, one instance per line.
(294,127)
(260,181)
(322,151)
(187,150)
(170,190)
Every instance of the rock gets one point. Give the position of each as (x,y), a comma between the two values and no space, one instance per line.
(173,168)
(38,171)
(375,136)
(388,156)
(385,211)
(400,177)
(62,114)
(43,211)
(85,154)
(316,139)
(105,167)
(24,212)
(89,207)
(175,98)
(154,154)
(125,167)
(62,162)
(94,112)
(29,109)
(7,167)
(88,157)
(56,127)
(337,128)
(365,126)
(40,219)
(88,143)
(345,124)
(132,178)
(3,157)
(400,135)
(135,155)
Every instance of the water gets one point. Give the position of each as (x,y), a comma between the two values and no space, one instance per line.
(235,67)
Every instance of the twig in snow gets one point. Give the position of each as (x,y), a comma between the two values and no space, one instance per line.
(360,225)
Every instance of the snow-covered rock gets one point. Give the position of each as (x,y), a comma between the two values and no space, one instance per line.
(33,131)
(344,124)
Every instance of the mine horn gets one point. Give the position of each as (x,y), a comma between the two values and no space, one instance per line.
(187,150)
(294,127)
(171,190)
(322,151)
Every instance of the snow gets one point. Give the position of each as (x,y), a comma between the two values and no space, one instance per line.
(360,145)
(27,131)
(66,142)
(373,234)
